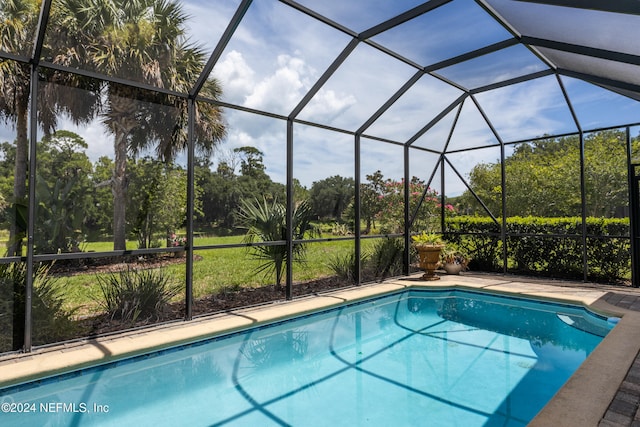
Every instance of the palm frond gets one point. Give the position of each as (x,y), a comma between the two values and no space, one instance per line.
(266,221)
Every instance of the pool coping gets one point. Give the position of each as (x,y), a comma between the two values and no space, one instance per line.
(582,401)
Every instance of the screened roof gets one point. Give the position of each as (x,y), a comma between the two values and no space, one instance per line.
(438,75)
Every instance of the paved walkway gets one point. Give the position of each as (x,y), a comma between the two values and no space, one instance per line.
(624,409)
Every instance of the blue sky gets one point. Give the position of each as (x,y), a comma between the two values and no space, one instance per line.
(277,54)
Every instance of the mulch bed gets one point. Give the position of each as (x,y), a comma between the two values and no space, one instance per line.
(247,297)
(114,264)
(224,301)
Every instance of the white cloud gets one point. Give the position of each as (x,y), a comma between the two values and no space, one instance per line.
(528,110)
(236,76)
(279,92)
(366,80)
(282,90)
(327,105)
(422,103)
(271,63)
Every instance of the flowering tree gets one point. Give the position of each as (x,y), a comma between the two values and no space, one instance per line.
(391,214)
(382,205)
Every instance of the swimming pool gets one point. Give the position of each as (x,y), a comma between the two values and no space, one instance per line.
(442,358)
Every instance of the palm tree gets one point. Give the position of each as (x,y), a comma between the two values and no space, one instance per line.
(143,41)
(19,22)
(266,222)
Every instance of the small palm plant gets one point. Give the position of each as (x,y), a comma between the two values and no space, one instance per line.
(266,221)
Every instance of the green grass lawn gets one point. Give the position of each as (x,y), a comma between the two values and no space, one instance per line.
(213,270)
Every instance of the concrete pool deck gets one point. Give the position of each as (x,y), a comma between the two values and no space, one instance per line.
(604,391)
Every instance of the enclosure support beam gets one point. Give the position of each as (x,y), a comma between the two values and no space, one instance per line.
(583,185)
(43,20)
(634,215)
(439,117)
(503,184)
(222,44)
(618,6)
(27,339)
(473,193)
(443,227)
(33,137)
(407,219)
(289,220)
(413,217)
(403,17)
(582,50)
(191,110)
(583,195)
(357,276)
(503,228)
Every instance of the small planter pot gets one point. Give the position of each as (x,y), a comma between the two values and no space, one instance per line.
(452,267)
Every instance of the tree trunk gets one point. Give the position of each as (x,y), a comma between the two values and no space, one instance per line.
(119,191)
(19,177)
(367,229)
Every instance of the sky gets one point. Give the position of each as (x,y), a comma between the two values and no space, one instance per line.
(277,54)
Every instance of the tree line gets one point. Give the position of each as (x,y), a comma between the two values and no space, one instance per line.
(75,202)
(543,178)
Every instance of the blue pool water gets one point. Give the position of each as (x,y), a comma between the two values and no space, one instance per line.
(445,358)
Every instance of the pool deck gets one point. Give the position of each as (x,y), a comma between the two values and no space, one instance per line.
(603,392)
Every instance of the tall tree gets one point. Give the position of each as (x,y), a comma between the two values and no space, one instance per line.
(100,221)
(331,196)
(222,189)
(371,199)
(606,173)
(18,27)
(144,41)
(19,23)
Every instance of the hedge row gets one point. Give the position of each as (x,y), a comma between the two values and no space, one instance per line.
(547,246)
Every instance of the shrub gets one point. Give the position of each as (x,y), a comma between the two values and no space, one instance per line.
(344,266)
(340,229)
(481,237)
(50,320)
(384,261)
(547,246)
(266,221)
(133,295)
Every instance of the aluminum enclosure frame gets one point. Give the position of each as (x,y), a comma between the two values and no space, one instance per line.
(292,119)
